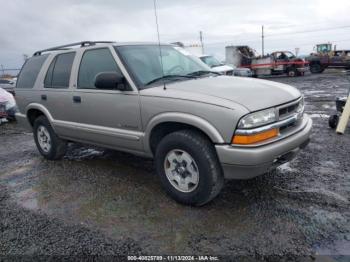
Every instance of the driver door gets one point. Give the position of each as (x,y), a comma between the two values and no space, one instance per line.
(110,118)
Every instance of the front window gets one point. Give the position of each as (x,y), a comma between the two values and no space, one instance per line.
(145,64)
(93,62)
(211,61)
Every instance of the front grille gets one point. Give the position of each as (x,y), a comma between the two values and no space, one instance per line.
(288,110)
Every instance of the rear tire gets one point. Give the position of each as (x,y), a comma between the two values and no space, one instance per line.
(316,68)
(48,143)
(185,155)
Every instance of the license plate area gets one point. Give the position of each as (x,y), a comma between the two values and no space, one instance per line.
(2,111)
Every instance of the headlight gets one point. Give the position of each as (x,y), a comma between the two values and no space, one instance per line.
(301,107)
(257,119)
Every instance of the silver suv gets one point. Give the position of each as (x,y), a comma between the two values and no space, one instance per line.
(156,101)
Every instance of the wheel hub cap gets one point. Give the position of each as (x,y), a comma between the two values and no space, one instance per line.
(44,138)
(181,170)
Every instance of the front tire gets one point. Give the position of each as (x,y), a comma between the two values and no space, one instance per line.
(292,72)
(48,143)
(188,167)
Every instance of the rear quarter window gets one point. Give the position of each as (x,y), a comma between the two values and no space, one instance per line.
(30,71)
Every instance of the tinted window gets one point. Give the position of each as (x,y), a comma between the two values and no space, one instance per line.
(58,74)
(30,71)
(48,77)
(94,62)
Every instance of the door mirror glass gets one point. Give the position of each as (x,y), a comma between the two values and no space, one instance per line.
(110,80)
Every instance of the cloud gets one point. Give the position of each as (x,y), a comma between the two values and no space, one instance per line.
(27,26)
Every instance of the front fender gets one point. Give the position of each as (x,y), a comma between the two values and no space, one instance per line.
(177,117)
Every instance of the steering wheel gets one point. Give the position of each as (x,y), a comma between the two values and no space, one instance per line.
(175,67)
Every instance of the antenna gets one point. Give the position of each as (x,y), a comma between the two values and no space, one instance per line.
(160,49)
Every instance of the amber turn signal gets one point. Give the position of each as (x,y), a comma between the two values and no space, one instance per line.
(254,138)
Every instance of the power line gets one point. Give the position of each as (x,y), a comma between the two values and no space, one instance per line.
(310,31)
(303,25)
(256,39)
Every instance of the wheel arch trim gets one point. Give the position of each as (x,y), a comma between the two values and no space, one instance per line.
(181,118)
(41,108)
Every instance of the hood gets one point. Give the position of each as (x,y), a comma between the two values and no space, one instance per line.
(222,68)
(253,94)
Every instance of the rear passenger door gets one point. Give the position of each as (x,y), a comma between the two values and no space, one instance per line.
(56,94)
(109,118)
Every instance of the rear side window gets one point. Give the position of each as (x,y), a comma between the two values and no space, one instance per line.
(58,74)
(30,71)
(94,62)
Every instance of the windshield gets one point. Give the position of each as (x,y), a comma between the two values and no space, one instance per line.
(211,61)
(144,63)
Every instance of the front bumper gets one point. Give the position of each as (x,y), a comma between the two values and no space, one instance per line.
(249,162)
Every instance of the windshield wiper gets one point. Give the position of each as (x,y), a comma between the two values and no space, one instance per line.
(168,77)
(202,72)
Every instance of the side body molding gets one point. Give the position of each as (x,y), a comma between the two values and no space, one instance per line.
(177,117)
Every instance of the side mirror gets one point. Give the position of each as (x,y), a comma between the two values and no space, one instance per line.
(110,80)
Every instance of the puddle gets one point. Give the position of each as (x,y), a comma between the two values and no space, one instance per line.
(27,199)
(118,198)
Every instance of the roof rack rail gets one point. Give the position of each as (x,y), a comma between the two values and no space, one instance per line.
(65,47)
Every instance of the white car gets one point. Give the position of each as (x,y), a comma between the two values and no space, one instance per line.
(8,85)
(218,67)
(8,106)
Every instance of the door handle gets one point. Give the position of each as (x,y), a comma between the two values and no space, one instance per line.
(76,99)
(43,97)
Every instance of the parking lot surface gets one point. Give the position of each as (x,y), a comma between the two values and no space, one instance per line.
(98,201)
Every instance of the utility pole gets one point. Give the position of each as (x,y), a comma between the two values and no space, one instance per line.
(201,40)
(25,57)
(262,40)
(3,70)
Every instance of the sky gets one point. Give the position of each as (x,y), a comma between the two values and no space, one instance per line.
(27,26)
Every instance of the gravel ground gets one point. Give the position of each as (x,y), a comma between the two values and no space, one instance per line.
(103,202)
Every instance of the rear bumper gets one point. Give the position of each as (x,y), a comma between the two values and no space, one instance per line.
(22,122)
(245,163)
(9,113)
